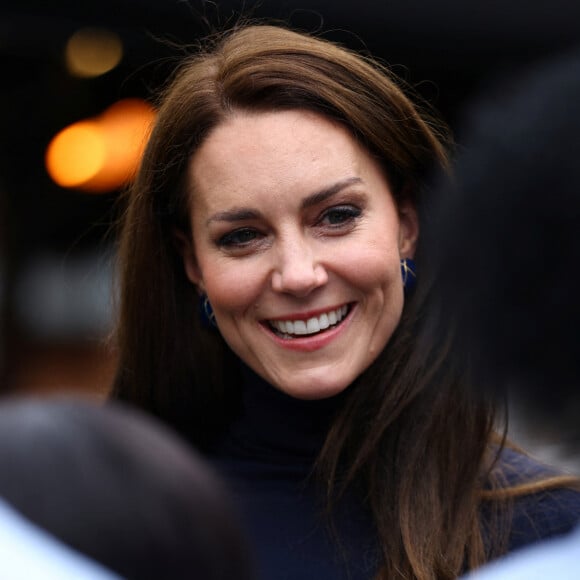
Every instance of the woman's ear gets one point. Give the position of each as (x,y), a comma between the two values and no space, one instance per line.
(185,247)
(408,229)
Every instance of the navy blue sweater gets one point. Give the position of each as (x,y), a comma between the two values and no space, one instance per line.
(266,458)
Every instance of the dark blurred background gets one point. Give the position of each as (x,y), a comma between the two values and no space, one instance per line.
(56,272)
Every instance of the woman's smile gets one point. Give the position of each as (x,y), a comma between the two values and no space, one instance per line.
(297,243)
(290,327)
(312,333)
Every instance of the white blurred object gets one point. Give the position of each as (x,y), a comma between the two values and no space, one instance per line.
(556,559)
(27,552)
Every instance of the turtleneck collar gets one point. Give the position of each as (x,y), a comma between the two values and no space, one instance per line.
(273,426)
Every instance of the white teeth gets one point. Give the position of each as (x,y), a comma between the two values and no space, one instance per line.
(300,327)
(312,325)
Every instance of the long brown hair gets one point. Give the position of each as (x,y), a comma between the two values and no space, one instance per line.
(408,437)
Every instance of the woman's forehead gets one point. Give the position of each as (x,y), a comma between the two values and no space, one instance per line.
(268,152)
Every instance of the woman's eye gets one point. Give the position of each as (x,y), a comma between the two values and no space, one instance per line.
(340,215)
(237,238)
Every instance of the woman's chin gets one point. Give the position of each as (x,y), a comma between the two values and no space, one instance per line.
(311,389)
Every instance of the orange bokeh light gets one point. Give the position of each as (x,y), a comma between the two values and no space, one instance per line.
(76,154)
(101,154)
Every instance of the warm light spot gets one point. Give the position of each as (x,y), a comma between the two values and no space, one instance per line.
(101,154)
(126,125)
(91,52)
(76,154)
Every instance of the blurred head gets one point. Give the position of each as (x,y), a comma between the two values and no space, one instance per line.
(506,247)
(118,487)
(257,73)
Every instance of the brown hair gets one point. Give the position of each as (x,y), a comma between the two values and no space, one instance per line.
(413,440)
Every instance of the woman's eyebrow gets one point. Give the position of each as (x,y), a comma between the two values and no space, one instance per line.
(238,214)
(324,194)
(234,215)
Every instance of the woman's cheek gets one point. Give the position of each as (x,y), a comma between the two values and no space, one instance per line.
(232,288)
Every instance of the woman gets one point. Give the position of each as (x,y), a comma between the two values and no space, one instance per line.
(280,197)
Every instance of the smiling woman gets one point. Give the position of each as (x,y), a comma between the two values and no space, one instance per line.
(265,255)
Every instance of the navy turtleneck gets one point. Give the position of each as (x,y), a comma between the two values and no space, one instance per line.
(266,458)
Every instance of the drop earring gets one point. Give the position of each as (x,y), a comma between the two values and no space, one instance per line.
(409,274)
(206,313)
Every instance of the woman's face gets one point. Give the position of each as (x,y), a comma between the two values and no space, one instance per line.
(297,243)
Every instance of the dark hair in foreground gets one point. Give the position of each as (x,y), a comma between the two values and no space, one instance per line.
(512,222)
(120,488)
(409,437)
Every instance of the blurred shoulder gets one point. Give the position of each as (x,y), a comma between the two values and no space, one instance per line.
(549,502)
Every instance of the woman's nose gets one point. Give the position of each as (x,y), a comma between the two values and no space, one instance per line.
(297,270)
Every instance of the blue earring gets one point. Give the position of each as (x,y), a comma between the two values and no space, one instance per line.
(206,313)
(409,273)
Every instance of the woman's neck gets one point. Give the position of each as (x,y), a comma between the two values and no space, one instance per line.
(273,425)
